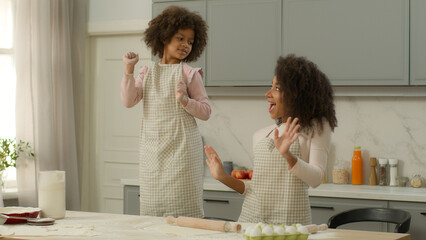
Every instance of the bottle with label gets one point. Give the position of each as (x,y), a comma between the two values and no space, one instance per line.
(393,171)
(357,166)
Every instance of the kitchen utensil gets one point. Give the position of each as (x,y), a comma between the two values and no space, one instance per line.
(30,221)
(215,225)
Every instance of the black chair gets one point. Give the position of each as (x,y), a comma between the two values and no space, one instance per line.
(400,217)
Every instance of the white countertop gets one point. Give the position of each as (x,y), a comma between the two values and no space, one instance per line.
(106,226)
(406,194)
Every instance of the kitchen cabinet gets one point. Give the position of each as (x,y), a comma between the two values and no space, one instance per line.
(222,205)
(323,208)
(217,204)
(244,40)
(362,42)
(418,217)
(418,42)
(357,43)
(131,205)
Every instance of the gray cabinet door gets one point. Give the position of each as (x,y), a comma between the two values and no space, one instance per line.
(131,200)
(196,6)
(418,218)
(222,205)
(244,42)
(418,42)
(355,42)
(323,208)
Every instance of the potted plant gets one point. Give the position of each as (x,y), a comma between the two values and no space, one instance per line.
(10,150)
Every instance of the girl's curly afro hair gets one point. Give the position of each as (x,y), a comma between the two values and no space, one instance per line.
(162,28)
(307,92)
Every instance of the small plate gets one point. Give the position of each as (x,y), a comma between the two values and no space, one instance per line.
(27,212)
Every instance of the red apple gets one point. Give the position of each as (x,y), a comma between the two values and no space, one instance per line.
(233,173)
(241,174)
(250,174)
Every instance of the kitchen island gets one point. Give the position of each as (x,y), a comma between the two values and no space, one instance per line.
(88,225)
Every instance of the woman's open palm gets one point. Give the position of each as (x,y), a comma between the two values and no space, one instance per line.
(288,136)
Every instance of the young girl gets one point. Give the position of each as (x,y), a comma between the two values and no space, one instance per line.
(289,156)
(172,94)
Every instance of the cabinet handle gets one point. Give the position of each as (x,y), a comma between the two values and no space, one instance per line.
(423,213)
(321,207)
(217,201)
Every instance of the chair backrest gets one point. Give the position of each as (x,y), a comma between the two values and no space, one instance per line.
(400,217)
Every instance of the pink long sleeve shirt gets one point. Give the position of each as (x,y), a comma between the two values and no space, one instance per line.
(198,102)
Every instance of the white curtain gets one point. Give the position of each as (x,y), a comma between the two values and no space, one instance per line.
(49,43)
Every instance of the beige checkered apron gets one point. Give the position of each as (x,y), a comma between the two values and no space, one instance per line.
(275,195)
(171,151)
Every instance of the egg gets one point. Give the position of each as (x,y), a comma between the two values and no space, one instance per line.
(290,230)
(255,232)
(267,230)
(279,230)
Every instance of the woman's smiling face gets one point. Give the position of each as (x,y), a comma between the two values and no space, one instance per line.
(275,99)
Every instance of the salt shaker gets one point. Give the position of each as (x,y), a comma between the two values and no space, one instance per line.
(393,171)
(383,162)
(51,194)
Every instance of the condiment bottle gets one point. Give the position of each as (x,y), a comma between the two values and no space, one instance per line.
(372,178)
(383,164)
(393,171)
(357,166)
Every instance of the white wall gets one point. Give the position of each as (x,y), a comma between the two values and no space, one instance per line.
(390,127)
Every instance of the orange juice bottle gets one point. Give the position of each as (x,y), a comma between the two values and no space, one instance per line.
(357,166)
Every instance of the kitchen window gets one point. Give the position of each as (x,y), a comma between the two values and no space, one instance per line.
(7,81)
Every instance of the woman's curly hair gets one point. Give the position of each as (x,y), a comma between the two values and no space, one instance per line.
(306,91)
(162,28)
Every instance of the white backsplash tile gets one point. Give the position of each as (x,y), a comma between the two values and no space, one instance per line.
(390,127)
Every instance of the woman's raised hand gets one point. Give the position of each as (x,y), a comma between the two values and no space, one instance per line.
(214,163)
(288,136)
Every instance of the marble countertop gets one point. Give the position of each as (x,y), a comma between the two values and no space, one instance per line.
(406,194)
(106,226)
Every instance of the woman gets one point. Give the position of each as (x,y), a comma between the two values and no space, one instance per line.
(289,156)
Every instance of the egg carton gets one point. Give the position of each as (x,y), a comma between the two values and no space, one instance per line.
(262,231)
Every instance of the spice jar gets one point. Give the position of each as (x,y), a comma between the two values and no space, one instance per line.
(416,181)
(383,171)
(402,181)
(393,171)
(340,173)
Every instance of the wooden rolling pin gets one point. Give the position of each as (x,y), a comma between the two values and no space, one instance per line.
(222,226)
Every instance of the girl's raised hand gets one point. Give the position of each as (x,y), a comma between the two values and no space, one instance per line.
(131,58)
(214,163)
(288,136)
(181,93)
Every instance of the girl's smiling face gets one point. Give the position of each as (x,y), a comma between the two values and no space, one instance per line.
(179,47)
(276,101)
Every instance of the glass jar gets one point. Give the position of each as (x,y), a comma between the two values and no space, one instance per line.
(383,171)
(416,181)
(402,181)
(340,172)
(393,171)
